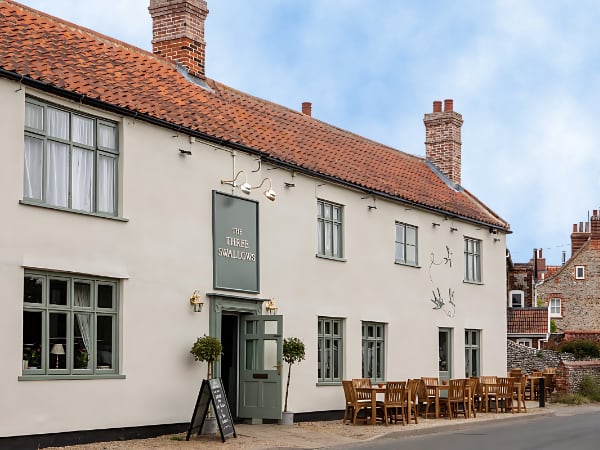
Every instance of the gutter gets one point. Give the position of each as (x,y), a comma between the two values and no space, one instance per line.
(83,99)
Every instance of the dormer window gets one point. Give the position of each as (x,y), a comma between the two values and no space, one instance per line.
(580,272)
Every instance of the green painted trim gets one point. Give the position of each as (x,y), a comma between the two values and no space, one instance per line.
(76,211)
(328,383)
(229,303)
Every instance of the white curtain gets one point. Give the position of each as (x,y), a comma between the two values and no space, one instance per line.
(106,136)
(58,123)
(57,174)
(34,116)
(32,171)
(106,184)
(83,130)
(82,182)
(82,298)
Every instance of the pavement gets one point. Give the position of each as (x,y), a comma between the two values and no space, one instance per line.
(324,434)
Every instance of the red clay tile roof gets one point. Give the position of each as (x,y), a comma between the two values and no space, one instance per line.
(527,320)
(102,70)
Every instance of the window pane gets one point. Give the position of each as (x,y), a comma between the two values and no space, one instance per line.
(107,168)
(269,354)
(411,254)
(328,238)
(105,296)
(59,292)
(33,289)
(34,116)
(411,235)
(400,233)
(82,294)
(32,168)
(57,174)
(58,339)
(104,342)
(58,123)
(336,359)
(251,363)
(327,211)
(321,238)
(107,136)
(337,213)
(32,339)
(82,345)
(328,356)
(83,130)
(82,182)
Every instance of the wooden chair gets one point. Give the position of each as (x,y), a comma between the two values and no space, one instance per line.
(412,394)
(427,394)
(549,385)
(353,404)
(504,393)
(472,392)
(519,391)
(456,397)
(488,386)
(395,400)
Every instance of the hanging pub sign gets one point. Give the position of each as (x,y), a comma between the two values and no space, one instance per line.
(212,392)
(235,243)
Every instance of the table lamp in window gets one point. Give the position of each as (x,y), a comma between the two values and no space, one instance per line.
(57,349)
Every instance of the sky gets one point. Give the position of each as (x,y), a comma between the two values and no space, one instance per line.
(524,74)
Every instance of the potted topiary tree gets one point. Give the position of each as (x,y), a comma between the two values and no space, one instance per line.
(209,349)
(293,352)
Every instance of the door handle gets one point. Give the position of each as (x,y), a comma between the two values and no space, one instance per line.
(278,367)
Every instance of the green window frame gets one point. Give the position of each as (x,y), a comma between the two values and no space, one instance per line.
(70,325)
(472,353)
(373,351)
(330,349)
(70,159)
(406,244)
(330,230)
(472,260)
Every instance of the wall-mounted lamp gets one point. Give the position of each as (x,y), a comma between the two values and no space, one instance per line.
(244,187)
(271,307)
(196,301)
(269,193)
(183,152)
(372,207)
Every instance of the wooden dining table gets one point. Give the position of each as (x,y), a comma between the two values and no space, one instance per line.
(373,391)
(533,384)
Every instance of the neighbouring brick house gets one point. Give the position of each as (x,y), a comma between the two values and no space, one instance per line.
(526,322)
(572,293)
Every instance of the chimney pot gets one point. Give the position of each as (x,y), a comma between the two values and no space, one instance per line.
(574,228)
(437,106)
(448,105)
(307,108)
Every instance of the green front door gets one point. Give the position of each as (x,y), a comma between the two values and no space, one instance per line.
(260,367)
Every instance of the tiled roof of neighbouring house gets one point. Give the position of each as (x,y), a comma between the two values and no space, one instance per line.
(527,320)
(56,55)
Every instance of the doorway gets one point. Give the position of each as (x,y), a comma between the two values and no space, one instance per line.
(445,354)
(230,358)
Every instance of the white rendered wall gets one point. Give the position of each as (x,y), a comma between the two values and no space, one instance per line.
(163,252)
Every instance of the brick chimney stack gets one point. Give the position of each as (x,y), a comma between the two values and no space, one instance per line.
(579,236)
(307,108)
(442,139)
(178,32)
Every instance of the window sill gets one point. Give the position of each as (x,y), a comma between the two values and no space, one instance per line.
(398,263)
(111,376)
(329,383)
(480,283)
(332,258)
(59,208)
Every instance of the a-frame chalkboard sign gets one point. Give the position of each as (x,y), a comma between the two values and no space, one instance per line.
(212,391)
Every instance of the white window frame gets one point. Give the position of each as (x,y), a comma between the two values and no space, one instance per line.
(527,342)
(404,244)
(472,260)
(330,335)
(580,272)
(330,230)
(510,298)
(554,309)
(101,150)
